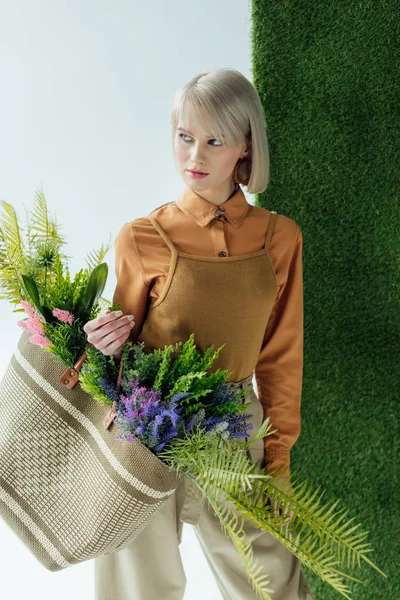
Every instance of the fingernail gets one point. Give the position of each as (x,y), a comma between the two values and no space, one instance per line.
(118,313)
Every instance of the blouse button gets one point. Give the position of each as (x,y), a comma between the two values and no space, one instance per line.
(222,253)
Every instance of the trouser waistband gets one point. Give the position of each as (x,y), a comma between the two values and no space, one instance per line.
(245,383)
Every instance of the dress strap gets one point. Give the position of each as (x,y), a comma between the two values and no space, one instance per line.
(161,231)
(271,224)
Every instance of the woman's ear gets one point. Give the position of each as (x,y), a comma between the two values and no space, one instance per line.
(247,151)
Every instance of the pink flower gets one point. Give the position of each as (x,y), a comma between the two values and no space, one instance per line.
(40,340)
(30,311)
(35,326)
(32,324)
(63,315)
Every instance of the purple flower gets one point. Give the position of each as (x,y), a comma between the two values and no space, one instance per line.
(109,388)
(145,415)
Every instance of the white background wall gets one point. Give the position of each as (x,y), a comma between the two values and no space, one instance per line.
(85,101)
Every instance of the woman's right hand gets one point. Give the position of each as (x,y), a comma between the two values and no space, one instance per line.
(109,331)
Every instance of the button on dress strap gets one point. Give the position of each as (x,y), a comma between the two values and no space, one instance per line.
(270,229)
(161,231)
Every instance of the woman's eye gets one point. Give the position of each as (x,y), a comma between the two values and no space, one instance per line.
(182,135)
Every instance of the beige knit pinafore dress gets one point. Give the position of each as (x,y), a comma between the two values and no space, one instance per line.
(222,300)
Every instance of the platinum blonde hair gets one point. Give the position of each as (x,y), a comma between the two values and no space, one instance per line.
(229,108)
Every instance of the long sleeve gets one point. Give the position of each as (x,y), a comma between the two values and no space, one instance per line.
(132,286)
(279,370)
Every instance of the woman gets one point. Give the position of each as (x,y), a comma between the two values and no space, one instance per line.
(231,273)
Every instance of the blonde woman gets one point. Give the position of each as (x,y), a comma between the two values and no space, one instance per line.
(212,264)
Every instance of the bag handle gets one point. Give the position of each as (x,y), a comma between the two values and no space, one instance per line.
(110,414)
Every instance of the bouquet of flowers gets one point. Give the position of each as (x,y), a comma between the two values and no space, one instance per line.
(83,467)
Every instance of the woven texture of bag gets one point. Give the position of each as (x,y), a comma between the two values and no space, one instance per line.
(69,489)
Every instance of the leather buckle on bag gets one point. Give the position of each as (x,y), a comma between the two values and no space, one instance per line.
(70,376)
(109,418)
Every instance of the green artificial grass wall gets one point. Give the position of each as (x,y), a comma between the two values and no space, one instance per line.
(328,77)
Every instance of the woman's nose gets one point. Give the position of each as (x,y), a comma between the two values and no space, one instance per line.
(196,156)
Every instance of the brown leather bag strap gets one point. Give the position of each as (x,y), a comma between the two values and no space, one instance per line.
(112,411)
(121,368)
(70,377)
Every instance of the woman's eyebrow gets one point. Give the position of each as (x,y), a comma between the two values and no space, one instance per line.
(187,131)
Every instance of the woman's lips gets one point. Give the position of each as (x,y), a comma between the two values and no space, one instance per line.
(197,175)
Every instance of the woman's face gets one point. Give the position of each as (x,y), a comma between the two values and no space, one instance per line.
(195,149)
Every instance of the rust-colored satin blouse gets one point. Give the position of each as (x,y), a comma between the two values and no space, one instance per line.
(141,265)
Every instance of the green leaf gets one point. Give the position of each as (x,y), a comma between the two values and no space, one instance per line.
(33,292)
(48,315)
(95,285)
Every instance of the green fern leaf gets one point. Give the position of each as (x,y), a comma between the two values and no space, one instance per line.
(40,222)
(96,257)
(225,467)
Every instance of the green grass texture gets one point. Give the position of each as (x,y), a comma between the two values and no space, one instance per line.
(328,75)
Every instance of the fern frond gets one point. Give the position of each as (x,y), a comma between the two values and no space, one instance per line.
(225,469)
(40,223)
(263,431)
(230,526)
(320,560)
(96,257)
(12,254)
(226,466)
(11,229)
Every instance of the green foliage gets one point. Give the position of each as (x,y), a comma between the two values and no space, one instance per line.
(163,369)
(78,296)
(36,271)
(68,341)
(40,259)
(97,366)
(139,364)
(64,293)
(189,360)
(222,469)
(97,257)
(35,258)
(177,369)
(190,373)
(12,255)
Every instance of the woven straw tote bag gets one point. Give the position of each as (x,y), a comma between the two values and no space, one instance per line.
(69,489)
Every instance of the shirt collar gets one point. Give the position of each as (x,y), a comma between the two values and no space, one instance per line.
(202,211)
